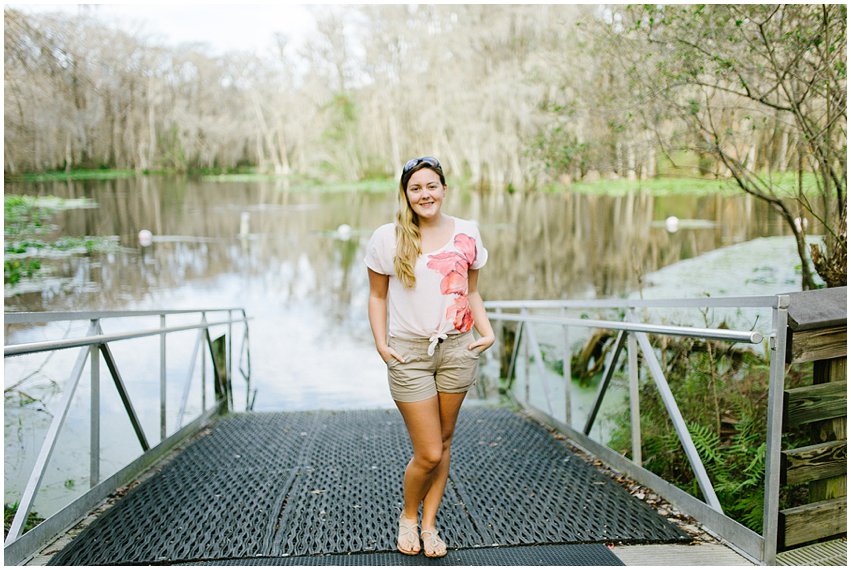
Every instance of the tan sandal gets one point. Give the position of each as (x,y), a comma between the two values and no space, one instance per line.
(408,532)
(431,541)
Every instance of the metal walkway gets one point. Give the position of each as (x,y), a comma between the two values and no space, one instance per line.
(270,486)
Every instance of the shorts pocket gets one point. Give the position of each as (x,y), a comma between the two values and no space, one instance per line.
(474,353)
(409,358)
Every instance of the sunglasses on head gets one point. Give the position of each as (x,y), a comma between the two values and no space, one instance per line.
(414,162)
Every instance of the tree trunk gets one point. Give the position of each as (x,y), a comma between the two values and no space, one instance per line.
(69,158)
(783,161)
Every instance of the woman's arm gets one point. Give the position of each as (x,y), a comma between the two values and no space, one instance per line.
(377,310)
(480,317)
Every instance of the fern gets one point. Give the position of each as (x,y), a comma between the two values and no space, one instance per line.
(735,457)
(706,441)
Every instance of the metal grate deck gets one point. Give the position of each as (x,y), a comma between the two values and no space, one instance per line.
(830,553)
(279,485)
(538,555)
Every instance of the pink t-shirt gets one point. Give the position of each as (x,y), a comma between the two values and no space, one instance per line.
(437,306)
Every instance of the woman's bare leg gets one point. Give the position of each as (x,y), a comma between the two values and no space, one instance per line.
(449,405)
(423,421)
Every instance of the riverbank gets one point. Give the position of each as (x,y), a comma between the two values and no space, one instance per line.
(784,183)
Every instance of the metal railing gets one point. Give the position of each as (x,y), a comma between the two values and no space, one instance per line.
(94,345)
(634,335)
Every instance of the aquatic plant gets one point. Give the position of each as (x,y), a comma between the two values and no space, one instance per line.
(27,227)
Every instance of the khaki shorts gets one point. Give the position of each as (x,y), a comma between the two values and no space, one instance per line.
(452,369)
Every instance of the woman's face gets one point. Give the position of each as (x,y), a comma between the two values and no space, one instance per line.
(425,193)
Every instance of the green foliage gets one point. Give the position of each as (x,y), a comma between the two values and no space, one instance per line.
(85,244)
(9,515)
(171,149)
(26,225)
(78,174)
(561,151)
(721,392)
(342,110)
(680,184)
(16,269)
(36,209)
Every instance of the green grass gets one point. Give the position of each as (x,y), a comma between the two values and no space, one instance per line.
(655,186)
(369,185)
(241,177)
(785,184)
(60,175)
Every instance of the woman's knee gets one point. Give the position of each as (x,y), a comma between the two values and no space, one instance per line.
(429,458)
(447,441)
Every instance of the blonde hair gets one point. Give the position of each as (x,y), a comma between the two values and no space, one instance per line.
(407,241)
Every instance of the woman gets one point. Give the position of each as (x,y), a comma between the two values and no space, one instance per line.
(424,269)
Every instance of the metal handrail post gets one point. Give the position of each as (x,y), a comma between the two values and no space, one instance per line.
(247,378)
(634,391)
(538,356)
(566,372)
(37,474)
(229,365)
(634,404)
(206,333)
(245,348)
(774,428)
(680,426)
(498,339)
(185,397)
(94,411)
(162,379)
(526,380)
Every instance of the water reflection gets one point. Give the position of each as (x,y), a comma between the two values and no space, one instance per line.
(542,245)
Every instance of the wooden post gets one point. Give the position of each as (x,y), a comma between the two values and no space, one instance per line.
(818,325)
(507,335)
(220,385)
(832,370)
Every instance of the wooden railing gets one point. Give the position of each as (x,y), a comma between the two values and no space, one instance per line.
(817,333)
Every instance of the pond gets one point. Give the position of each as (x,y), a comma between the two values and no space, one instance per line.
(293,260)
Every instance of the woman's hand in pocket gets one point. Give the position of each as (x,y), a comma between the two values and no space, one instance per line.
(387,353)
(481,344)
